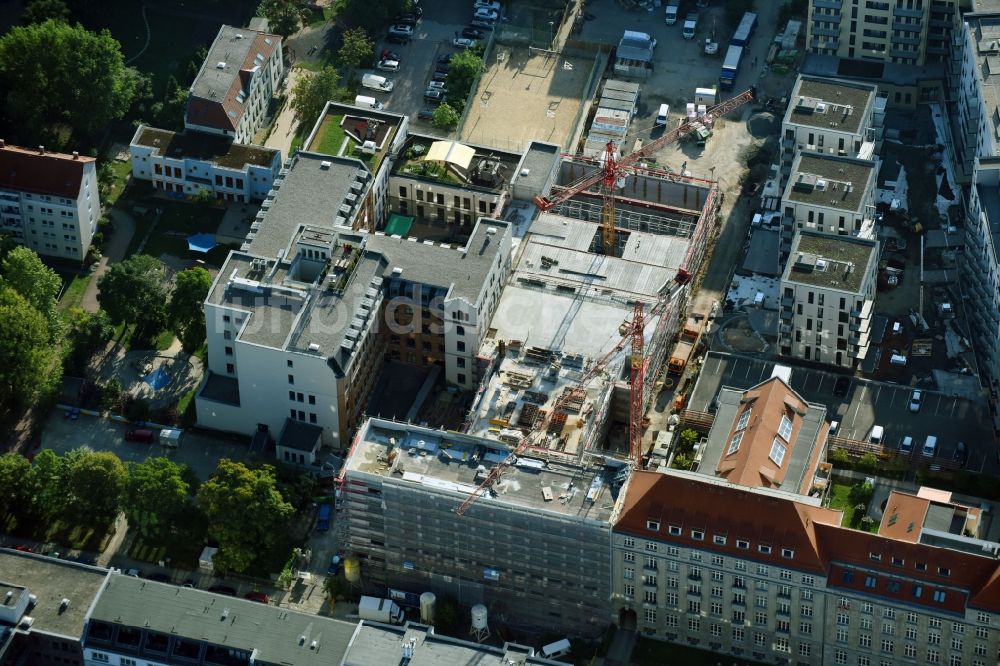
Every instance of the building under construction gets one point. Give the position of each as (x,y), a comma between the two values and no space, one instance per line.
(557,332)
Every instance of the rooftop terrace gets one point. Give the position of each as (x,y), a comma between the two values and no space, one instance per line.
(455,464)
(344,134)
(488,169)
(831,262)
(207,147)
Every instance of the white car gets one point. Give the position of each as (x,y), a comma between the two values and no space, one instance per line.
(916,398)
(488,14)
(402,29)
(437,85)
(463,43)
(487,4)
(389,65)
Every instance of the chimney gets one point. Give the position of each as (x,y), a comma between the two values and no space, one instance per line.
(76,155)
(41,150)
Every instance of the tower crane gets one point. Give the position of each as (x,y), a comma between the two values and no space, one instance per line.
(614,169)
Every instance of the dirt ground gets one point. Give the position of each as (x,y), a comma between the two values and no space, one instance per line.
(524,96)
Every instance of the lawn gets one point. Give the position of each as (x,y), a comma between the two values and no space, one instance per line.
(649,652)
(122,171)
(73,294)
(178,220)
(66,534)
(181,546)
(840,499)
(330,136)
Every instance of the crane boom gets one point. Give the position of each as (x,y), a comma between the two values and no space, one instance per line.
(610,171)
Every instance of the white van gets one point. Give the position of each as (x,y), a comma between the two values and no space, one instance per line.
(877,433)
(368,102)
(661,116)
(672,9)
(376,82)
(170,438)
(930,447)
(557,649)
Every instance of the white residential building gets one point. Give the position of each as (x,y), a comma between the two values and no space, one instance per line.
(189,163)
(827,298)
(974,90)
(834,195)
(981,267)
(236,82)
(49,202)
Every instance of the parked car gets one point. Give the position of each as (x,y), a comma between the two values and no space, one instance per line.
(259,597)
(394,38)
(440,77)
(445,59)
(488,14)
(906,445)
(334,567)
(473,33)
(432,95)
(916,398)
(425,114)
(389,55)
(487,4)
(485,24)
(842,386)
(188,583)
(961,454)
(140,435)
(223,589)
(437,85)
(402,29)
(463,42)
(388,65)
(135,573)
(444,69)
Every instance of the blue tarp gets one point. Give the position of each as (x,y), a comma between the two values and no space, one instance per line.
(422,443)
(158,378)
(201,242)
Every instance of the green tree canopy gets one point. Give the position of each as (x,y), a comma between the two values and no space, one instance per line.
(445,116)
(311,93)
(94,484)
(372,16)
(186,304)
(57,73)
(155,495)
(15,491)
(465,68)
(39,284)
(86,334)
(246,512)
(39,11)
(357,48)
(282,15)
(29,364)
(132,292)
(48,476)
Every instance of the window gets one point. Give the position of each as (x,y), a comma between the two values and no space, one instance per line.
(887,646)
(888,628)
(629,542)
(674,530)
(939,596)
(742,544)
(694,624)
(629,557)
(312,400)
(760,619)
(628,574)
(738,634)
(785,429)
(933,656)
(839,657)
(843,618)
(864,660)
(101,657)
(460,378)
(718,540)
(715,630)
(805,649)
(227,335)
(312,417)
(650,562)
(734,445)
(291,379)
(777,454)
(697,535)
(650,546)
(957,628)
(765,549)
(653,525)
(910,651)
(650,615)
(870,582)
(650,597)
(944,571)
(805,628)
(230,368)
(299,397)
(229,351)
(744,419)
(956,644)
(716,608)
(841,635)
(460,346)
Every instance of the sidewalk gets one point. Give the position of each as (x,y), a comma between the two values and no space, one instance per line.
(114,252)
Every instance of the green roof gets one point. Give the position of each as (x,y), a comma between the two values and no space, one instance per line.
(216,149)
(829,181)
(832,262)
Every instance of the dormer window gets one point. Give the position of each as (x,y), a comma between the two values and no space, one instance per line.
(653,525)
(744,419)
(765,550)
(674,530)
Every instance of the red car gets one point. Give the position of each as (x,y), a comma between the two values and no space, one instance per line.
(257,596)
(140,435)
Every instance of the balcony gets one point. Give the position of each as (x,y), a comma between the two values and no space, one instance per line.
(827,4)
(907,13)
(825,44)
(738,601)
(828,32)
(786,313)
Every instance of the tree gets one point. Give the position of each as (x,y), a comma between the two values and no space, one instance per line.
(57,73)
(282,15)
(465,69)
(186,305)
(169,113)
(155,495)
(25,273)
(372,16)
(48,471)
(95,482)
(869,461)
(39,11)
(357,47)
(445,116)
(861,494)
(86,334)
(313,91)
(111,394)
(15,470)
(132,292)
(246,512)
(29,364)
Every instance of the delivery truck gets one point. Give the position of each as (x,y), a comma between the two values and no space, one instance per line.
(376,82)
(745,30)
(731,67)
(690,336)
(380,610)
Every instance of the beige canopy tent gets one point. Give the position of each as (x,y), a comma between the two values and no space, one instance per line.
(451,152)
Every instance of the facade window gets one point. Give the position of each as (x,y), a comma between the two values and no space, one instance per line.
(629,590)
(694,624)
(628,574)
(230,368)
(742,544)
(650,615)
(738,634)
(650,546)
(805,649)
(697,535)
(461,378)
(887,646)
(629,542)
(312,417)
(291,379)
(674,530)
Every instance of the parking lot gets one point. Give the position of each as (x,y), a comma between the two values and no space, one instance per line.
(441,22)
(866,404)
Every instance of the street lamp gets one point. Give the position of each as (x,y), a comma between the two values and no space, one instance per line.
(551,32)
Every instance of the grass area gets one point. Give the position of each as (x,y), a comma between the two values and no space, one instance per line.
(330,137)
(297,140)
(122,172)
(181,546)
(840,499)
(178,220)
(316,16)
(66,534)
(73,294)
(650,652)
(164,340)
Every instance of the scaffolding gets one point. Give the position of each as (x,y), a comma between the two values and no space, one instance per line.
(628,219)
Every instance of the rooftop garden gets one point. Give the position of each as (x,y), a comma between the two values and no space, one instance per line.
(413,164)
(330,139)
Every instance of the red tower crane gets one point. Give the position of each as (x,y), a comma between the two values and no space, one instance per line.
(613,169)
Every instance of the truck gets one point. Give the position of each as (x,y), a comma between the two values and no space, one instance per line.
(323,520)
(170,438)
(380,610)
(731,67)
(376,82)
(673,6)
(690,335)
(690,25)
(368,102)
(744,31)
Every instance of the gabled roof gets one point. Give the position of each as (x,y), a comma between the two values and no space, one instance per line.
(719,509)
(41,172)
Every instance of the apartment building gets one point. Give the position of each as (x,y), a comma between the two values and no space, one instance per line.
(833,117)
(980,267)
(191,163)
(906,32)
(233,89)
(766,436)
(534,548)
(974,92)
(44,607)
(312,308)
(49,201)
(764,574)
(827,298)
(830,194)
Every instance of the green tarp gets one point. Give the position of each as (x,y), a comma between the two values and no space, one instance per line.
(399,225)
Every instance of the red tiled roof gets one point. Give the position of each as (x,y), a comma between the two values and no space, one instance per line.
(57,174)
